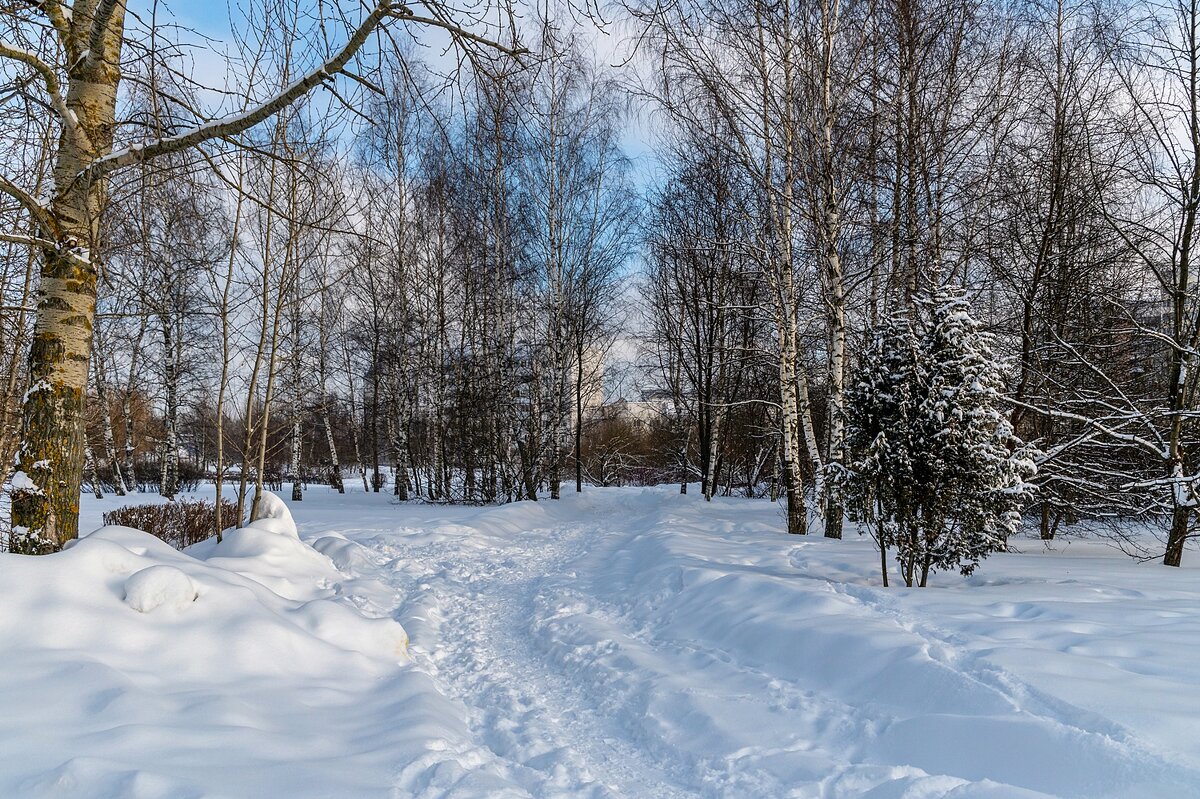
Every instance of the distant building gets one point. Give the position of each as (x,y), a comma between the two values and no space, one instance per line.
(653,407)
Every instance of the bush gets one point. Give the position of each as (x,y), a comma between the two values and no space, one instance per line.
(180,523)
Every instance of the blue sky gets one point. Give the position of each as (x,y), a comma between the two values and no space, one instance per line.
(210,18)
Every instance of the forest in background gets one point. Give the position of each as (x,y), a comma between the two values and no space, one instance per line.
(427,285)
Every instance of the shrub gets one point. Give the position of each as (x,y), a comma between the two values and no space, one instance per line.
(180,523)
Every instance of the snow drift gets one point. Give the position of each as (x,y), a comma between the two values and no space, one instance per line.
(133,670)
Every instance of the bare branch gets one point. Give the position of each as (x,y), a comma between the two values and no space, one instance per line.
(57,15)
(460,32)
(49,77)
(231,126)
(36,209)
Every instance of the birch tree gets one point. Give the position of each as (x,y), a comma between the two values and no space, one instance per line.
(78,70)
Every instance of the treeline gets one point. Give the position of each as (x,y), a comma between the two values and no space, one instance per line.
(416,284)
(415,293)
(830,163)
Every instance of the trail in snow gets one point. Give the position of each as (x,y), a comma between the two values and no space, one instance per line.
(547,731)
(639,645)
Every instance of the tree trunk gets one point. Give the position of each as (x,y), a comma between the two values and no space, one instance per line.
(89,461)
(169,477)
(127,408)
(830,229)
(579,415)
(793,480)
(1177,535)
(358,458)
(335,475)
(45,504)
(110,441)
(835,421)
(9,434)
(297,488)
(1047,530)
(400,459)
(714,448)
(45,509)
(376,475)
(882,533)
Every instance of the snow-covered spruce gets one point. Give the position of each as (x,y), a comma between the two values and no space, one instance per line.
(935,469)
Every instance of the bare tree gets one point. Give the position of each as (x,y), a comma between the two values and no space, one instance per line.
(78,70)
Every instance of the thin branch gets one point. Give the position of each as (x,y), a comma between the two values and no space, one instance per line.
(459,32)
(31,241)
(54,11)
(231,126)
(36,209)
(50,78)
(1100,427)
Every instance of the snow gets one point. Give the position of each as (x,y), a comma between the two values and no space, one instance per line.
(159,586)
(274,516)
(23,482)
(623,643)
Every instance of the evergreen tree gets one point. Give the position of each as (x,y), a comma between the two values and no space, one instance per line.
(935,469)
(880,407)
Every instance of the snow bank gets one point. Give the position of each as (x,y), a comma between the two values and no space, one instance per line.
(134,670)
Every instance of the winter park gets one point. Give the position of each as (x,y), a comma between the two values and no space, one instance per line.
(721,399)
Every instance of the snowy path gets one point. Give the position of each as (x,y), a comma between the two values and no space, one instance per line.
(627,645)
(547,733)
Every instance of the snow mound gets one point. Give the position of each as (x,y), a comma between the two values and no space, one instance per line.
(286,565)
(274,516)
(159,586)
(270,666)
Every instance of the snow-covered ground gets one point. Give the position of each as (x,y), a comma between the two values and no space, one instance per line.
(623,643)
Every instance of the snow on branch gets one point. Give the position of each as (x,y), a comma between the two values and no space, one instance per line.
(29,241)
(28,201)
(104,12)
(1099,426)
